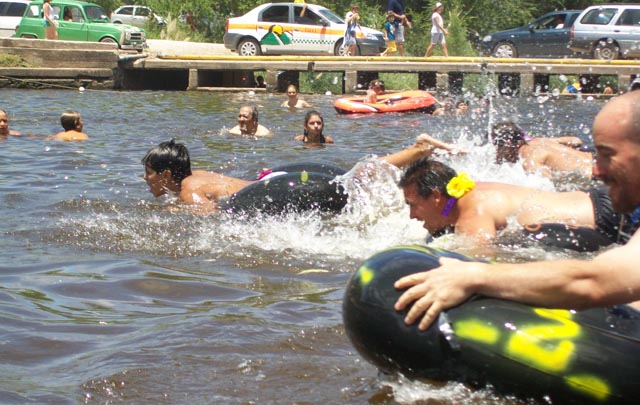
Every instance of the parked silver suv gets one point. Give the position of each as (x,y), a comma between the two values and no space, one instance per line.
(607,31)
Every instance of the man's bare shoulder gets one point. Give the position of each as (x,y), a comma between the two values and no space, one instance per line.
(263,131)
(68,136)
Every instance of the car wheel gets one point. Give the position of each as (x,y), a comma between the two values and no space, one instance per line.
(341,50)
(606,50)
(108,40)
(249,47)
(504,50)
(28,36)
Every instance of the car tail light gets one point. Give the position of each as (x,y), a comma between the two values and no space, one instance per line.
(226,26)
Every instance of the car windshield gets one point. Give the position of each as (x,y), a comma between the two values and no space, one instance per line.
(330,16)
(96,14)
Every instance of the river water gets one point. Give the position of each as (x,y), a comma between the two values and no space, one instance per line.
(107,296)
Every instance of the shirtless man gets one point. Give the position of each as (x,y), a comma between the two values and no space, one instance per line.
(611,278)
(248,123)
(547,156)
(4,125)
(481,209)
(72,124)
(167,168)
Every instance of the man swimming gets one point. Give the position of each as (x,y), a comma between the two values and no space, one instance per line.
(73,126)
(248,123)
(167,168)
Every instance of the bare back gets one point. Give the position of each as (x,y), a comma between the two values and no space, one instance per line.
(488,207)
(548,157)
(203,187)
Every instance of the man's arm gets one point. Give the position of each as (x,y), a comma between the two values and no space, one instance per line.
(424,146)
(611,278)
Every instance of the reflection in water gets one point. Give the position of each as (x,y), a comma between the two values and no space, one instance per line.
(106,295)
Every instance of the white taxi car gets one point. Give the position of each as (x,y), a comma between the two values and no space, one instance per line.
(282,28)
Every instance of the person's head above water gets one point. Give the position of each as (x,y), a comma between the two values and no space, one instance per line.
(4,123)
(508,137)
(423,179)
(248,119)
(616,138)
(377,85)
(71,120)
(167,158)
(313,124)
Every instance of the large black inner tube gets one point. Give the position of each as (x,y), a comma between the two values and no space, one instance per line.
(289,192)
(549,355)
(563,236)
(316,167)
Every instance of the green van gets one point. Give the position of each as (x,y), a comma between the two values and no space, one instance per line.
(82,22)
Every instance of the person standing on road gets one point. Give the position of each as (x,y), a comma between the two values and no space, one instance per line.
(50,25)
(438,31)
(396,8)
(353,21)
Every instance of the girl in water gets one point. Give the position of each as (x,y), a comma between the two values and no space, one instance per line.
(313,126)
(292,99)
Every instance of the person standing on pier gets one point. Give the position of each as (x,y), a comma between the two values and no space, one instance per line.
(396,8)
(51,25)
(438,31)
(353,21)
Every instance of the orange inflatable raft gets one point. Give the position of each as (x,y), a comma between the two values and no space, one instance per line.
(413,100)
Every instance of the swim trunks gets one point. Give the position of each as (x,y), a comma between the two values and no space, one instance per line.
(619,228)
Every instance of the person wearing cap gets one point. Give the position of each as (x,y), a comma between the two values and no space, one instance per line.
(438,31)
(376,87)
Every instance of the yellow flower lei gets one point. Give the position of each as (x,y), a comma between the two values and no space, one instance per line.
(460,185)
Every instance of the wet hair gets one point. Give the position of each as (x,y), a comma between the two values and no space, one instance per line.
(292,86)
(254,112)
(3,111)
(376,83)
(170,156)
(508,134)
(69,120)
(308,116)
(427,175)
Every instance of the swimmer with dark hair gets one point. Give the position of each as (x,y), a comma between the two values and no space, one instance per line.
(548,156)
(313,127)
(167,169)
